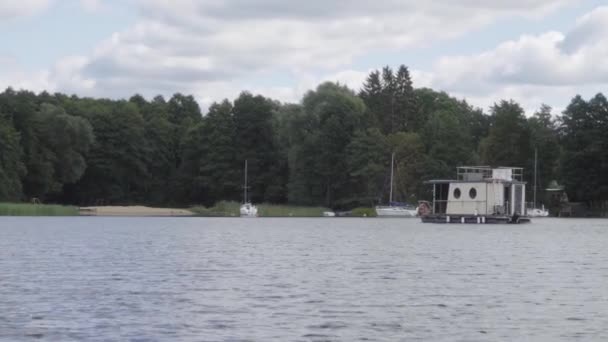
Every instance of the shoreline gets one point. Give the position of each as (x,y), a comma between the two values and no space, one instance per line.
(134,211)
(222,209)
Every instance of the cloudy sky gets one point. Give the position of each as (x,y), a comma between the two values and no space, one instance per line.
(532,51)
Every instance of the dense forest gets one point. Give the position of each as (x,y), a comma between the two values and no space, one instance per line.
(332,149)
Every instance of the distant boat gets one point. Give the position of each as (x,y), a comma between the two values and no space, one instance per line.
(537,212)
(534,211)
(247,208)
(395,209)
(404,210)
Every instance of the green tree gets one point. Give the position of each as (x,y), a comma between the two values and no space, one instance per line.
(390,98)
(584,161)
(471,119)
(544,135)
(11,167)
(56,145)
(372,95)
(255,141)
(508,143)
(339,114)
(220,171)
(411,162)
(117,169)
(368,165)
(183,109)
(305,185)
(449,142)
(69,139)
(20,110)
(190,186)
(161,159)
(408,117)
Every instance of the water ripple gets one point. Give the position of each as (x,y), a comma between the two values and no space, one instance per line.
(188,279)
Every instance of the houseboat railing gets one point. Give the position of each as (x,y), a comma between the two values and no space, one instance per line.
(479,173)
(473,173)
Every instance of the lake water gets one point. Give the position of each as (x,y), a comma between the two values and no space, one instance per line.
(195,279)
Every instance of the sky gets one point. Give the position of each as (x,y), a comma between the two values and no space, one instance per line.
(530,51)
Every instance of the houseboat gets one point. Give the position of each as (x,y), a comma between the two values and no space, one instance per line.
(479,195)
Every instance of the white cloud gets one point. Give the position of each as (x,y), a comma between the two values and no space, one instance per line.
(239,36)
(12,74)
(351,78)
(196,46)
(215,49)
(64,76)
(530,97)
(550,67)
(12,9)
(91,5)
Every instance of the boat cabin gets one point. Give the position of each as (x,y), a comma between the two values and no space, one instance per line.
(479,192)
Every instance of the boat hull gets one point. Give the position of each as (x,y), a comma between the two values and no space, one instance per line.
(249,210)
(395,212)
(538,212)
(474,219)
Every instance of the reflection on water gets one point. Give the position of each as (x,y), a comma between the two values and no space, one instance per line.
(188,279)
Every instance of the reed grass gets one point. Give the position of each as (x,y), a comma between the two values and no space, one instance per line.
(28,209)
(220,209)
(231,209)
(273,210)
(364,212)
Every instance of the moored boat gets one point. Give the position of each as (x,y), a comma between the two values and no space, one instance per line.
(479,195)
(534,211)
(395,209)
(537,212)
(247,208)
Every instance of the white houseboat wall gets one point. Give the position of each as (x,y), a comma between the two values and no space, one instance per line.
(480,194)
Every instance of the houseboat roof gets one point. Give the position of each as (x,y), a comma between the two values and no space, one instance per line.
(478,174)
(487,180)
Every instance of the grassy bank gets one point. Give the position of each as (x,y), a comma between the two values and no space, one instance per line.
(271,210)
(364,212)
(27,209)
(220,209)
(231,209)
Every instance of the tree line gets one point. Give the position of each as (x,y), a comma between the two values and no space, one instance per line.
(332,149)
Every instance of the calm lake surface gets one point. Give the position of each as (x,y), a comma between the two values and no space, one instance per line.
(198,279)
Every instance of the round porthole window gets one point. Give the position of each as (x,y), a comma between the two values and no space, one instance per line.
(456,193)
(472,193)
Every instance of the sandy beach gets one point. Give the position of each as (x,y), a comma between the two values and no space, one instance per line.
(138,211)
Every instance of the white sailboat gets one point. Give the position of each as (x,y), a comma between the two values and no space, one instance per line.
(395,209)
(537,212)
(534,211)
(247,208)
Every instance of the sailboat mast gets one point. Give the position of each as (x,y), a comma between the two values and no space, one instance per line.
(390,200)
(245,187)
(535,177)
